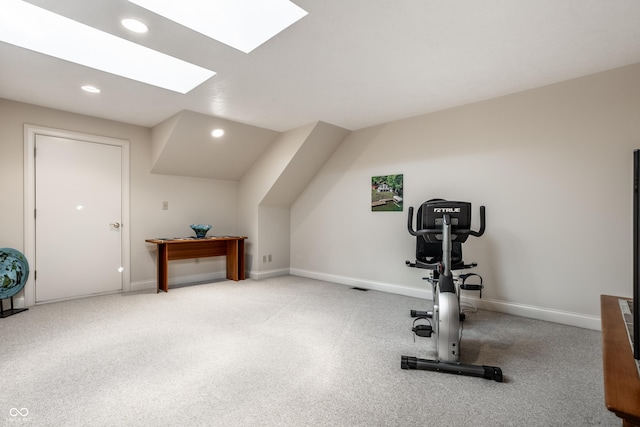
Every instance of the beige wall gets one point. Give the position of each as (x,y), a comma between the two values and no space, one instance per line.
(190,199)
(553,167)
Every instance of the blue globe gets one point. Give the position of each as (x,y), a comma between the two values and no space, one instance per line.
(14,271)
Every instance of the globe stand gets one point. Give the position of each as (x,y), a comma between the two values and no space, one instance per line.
(6,313)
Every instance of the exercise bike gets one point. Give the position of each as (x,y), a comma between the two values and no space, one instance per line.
(442,227)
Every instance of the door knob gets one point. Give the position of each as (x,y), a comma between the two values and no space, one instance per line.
(115,225)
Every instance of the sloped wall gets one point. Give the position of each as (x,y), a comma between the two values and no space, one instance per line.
(553,166)
(183,146)
(273,183)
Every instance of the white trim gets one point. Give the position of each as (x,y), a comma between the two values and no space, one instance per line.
(258,275)
(181,280)
(143,285)
(365,284)
(540,313)
(30,133)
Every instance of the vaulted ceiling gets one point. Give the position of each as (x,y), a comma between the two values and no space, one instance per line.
(353,63)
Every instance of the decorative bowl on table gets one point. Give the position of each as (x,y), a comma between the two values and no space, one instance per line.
(201,230)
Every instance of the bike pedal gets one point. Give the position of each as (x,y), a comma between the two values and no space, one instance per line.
(423,330)
(418,313)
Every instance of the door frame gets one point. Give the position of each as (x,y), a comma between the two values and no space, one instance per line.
(30,133)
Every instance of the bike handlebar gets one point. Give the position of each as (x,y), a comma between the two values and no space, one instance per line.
(425,231)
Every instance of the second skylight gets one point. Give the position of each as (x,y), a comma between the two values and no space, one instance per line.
(241,24)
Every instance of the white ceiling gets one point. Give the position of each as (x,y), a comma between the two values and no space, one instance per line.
(351,63)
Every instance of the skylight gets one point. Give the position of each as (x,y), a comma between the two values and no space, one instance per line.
(25,25)
(241,24)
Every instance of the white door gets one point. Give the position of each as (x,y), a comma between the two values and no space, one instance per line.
(78,220)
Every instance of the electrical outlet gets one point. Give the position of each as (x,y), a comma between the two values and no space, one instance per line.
(269,257)
(264,258)
(165,206)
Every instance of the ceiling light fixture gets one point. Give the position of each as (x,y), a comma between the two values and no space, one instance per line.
(25,25)
(241,24)
(90,89)
(135,25)
(217,133)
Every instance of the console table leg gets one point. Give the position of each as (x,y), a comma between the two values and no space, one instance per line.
(232,260)
(163,261)
(241,273)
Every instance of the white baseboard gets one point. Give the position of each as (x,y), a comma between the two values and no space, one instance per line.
(366,284)
(540,313)
(533,312)
(143,285)
(182,280)
(19,301)
(257,275)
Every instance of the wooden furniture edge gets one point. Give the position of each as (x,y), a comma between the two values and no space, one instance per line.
(621,381)
(194,239)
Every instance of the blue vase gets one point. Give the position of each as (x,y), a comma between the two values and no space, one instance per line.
(201,230)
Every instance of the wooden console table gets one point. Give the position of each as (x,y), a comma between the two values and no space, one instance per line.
(621,381)
(171,249)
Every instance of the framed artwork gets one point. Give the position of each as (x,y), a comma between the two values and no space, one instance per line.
(386,193)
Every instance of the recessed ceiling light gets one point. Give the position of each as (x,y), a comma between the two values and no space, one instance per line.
(90,89)
(217,133)
(134,25)
(241,24)
(25,25)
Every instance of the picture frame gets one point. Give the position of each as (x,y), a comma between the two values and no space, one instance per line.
(387,193)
